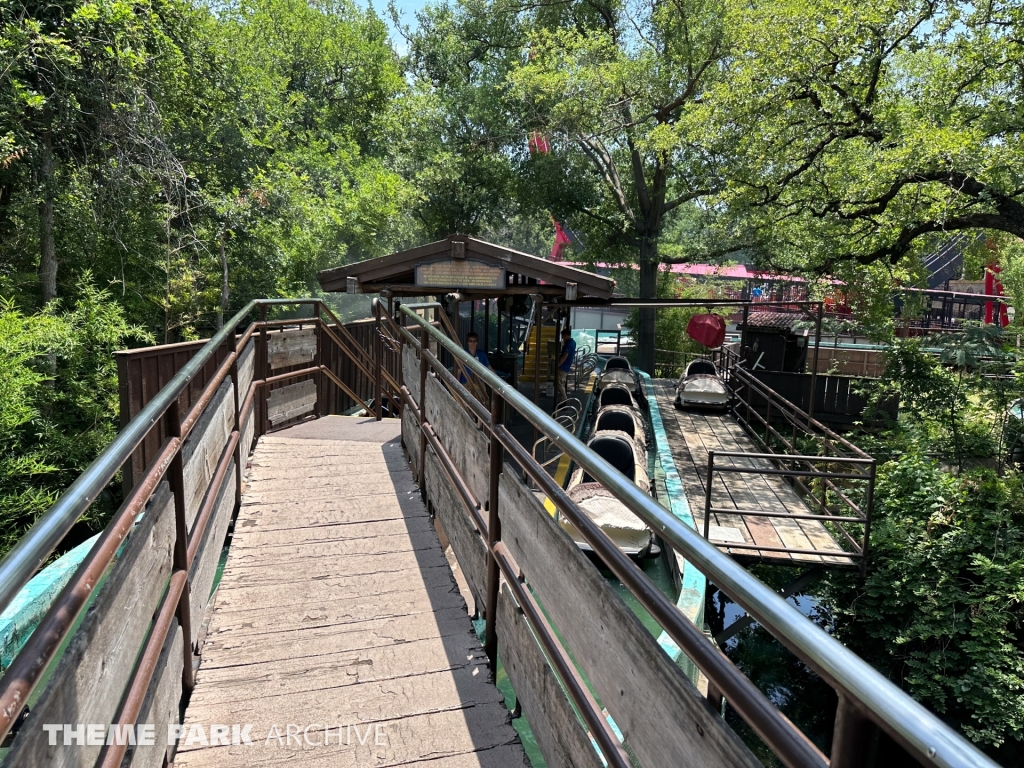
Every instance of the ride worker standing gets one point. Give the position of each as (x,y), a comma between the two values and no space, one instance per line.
(565,361)
(472,346)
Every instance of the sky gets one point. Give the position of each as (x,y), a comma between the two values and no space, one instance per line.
(407,9)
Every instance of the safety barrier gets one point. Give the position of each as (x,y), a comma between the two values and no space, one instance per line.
(528,580)
(148,579)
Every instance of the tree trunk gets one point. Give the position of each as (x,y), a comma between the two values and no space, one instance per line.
(648,290)
(225,289)
(47,247)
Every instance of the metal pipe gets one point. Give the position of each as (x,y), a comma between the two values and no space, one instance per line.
(814,370)
(176,478)
(318,362)
(782,404)
(264,371)
(792,473)
(868,505)
(798,457)
(538,322)
(906,720)
(424,351)
(707,493)
(788,515)
(770,724)
(36,545)
(378,346)
(343,386)
(497,462)
(236,402)
(822,553)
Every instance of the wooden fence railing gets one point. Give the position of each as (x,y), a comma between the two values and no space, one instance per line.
(145,585)
(558,624)
(143,372)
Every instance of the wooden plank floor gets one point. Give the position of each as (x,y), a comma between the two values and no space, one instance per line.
(337,608)
(692,434)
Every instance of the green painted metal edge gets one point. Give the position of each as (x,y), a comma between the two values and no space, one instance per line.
(693,584)
(23,615)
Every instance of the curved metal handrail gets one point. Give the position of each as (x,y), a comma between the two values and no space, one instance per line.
(31,551)
(878,698)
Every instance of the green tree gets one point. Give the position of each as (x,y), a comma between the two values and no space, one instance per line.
(466,152)
(54,421)
(612,83)
(859,132)
(73,94)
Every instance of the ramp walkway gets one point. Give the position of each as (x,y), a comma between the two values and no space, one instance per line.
(338,612)
(692,434)
(337,635)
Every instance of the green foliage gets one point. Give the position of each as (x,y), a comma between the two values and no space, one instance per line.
(25,488)
(856,132)
(58,403)
(954,392)
(940,611)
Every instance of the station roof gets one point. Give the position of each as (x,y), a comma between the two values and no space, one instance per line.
(473,267)
(773,321)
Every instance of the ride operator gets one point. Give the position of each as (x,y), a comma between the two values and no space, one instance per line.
(473,347)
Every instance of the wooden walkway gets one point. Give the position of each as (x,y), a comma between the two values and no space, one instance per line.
(692,434)
(338,608)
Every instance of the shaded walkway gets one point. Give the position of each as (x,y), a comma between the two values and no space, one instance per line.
(337,608)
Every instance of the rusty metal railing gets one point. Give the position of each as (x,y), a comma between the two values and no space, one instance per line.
(31,552)
(866,698)
(862,470)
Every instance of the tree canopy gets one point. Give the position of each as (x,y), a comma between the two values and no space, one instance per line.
(162,162)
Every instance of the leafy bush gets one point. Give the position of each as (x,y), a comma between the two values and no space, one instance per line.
(953,391)
(58,404)
(940,612)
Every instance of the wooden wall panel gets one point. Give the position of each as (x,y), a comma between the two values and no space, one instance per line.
(246,370)
(204,566)
(411,439)
(663,718)
(467,545)
(91,676)
(291,401)
(466,444)
(560,736)
(246,422)
(411,371)
(291,348)
(160,707)
(141,373)
(204,446)
(246,436)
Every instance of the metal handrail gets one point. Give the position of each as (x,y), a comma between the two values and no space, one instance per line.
(25,672)
(909,722)
(31,551)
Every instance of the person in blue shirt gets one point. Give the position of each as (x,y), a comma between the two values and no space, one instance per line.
(565,361)
(473,347)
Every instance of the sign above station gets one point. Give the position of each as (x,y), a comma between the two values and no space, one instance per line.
(460,273)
